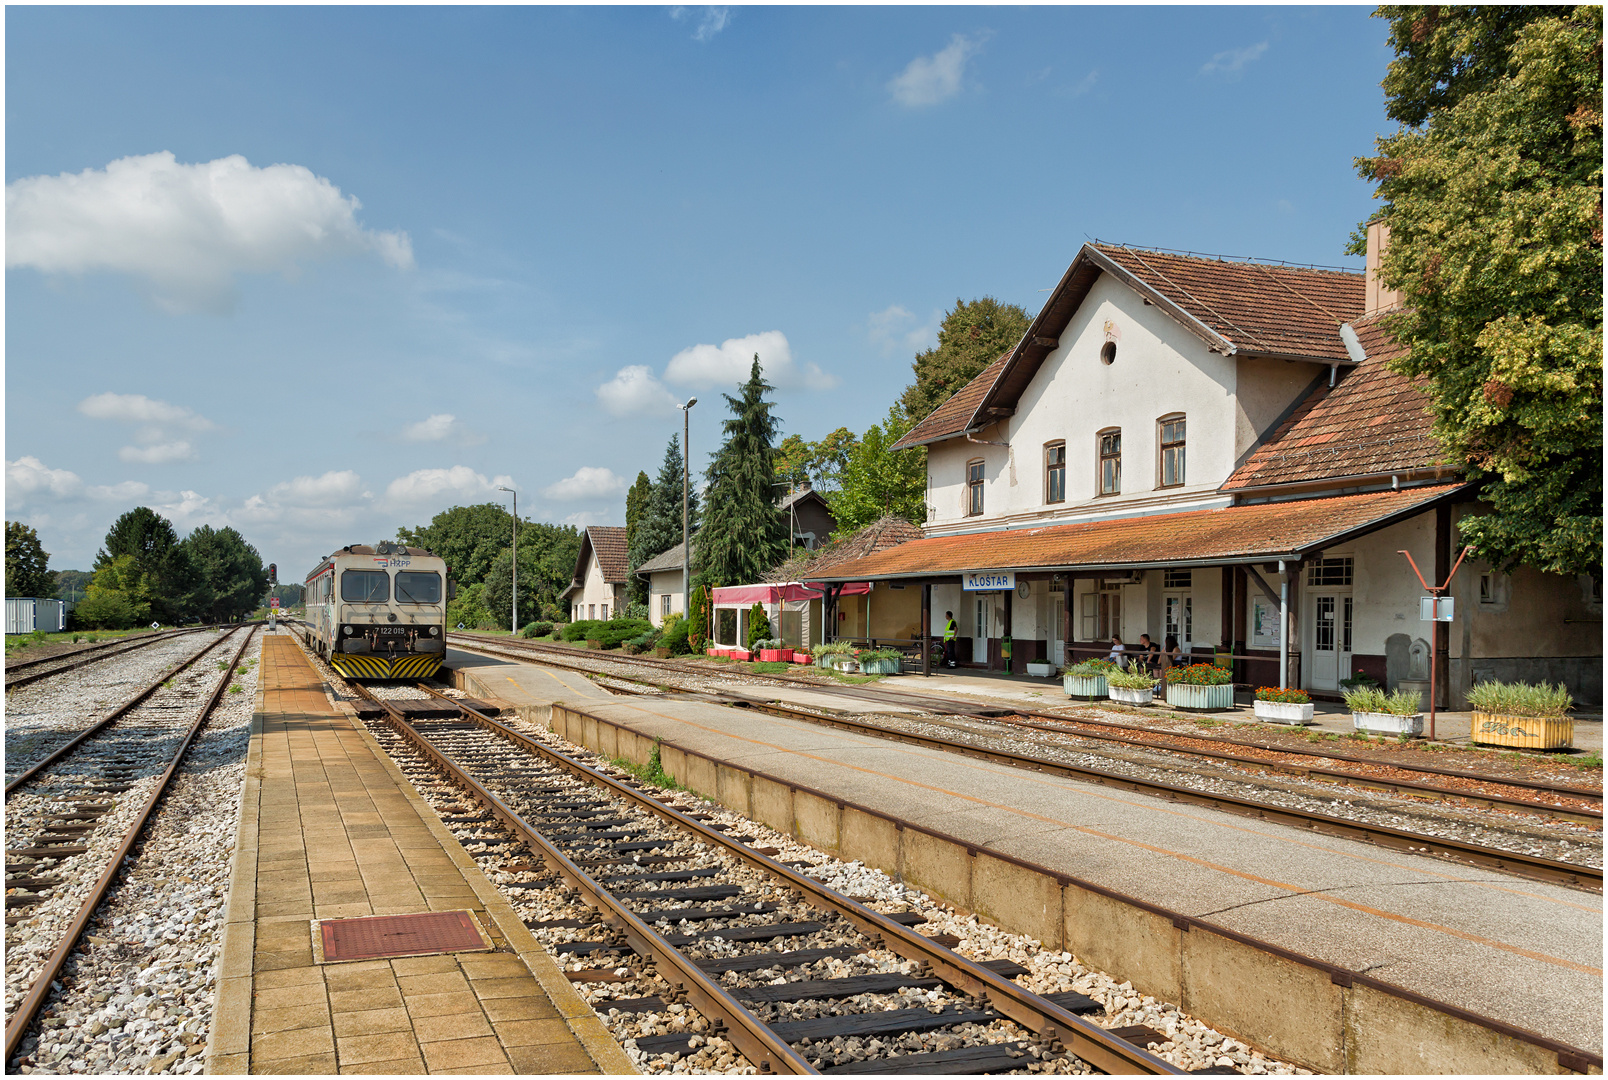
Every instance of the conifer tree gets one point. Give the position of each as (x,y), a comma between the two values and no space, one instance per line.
(743,535)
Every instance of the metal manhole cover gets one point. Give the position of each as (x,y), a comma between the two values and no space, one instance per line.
(377,937)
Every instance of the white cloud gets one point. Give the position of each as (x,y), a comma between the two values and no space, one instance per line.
(587,517)
(139,409)
(127,491)
(1231,62)
(330,489)
(712,21)
(1086,83)
(160,454)
(187,509)
(894,329)
(636,389)
(457,483)
(186,230)
(442,427)
(728,364)
(587,483)
(28,476)
(927,80)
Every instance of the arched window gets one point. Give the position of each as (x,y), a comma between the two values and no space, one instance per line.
(1171,442)
(1055,472)
(1111,462)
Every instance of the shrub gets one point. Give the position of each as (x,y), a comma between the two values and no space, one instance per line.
(636,611)
(1091,669)
(1374,700)
(1200,675)
(1287,695)
(759,627)
(643,641)
(1521,699)
(536,629)
(673,636)
(1130,680)
(769,667)
(880,654)
(834,648)
(1358,681)
(766,643)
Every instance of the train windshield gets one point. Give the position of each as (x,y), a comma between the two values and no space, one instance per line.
(418,587)
(365,587)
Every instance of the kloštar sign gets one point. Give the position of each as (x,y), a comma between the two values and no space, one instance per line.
(989,581)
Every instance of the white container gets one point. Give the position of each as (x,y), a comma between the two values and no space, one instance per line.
(1132,695)
(1084,686)
(1381,723)
(1284,712)
(1189,696)
(1040,669)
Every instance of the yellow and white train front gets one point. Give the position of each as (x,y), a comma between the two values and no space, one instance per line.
(389,618)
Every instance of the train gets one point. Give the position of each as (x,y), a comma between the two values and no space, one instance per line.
(379,612)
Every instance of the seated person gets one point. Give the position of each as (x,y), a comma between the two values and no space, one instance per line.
(1118,649)
(1175,655)
(1149,653)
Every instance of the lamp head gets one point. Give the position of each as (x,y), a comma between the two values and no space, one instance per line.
(690,403)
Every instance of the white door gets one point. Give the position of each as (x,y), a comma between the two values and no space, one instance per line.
(1055,617)
(1331,639)
(985,611)
(1178,620)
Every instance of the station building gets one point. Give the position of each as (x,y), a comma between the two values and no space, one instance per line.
(598,587)
(1215,450)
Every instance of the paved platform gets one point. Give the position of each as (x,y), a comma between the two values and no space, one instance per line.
(330,829)
(1525,953)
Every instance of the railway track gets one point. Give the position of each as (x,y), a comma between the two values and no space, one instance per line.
(698,917)
(37,671)
(80,812)
(1488,857)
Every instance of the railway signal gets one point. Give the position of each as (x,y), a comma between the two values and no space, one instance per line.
(273,573)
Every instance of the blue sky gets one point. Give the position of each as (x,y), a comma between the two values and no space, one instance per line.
(318,273)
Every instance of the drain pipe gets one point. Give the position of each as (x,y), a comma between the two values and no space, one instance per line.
(1284,626)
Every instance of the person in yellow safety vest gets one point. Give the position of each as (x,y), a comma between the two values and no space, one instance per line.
(949,639)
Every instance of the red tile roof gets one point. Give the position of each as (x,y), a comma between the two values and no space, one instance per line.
(955,415)
(1258,307)
(1235,533)
(1373,421)
(613,558)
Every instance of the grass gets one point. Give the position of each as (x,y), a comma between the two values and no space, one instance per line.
(850,679)
(653,772)
(19,642)
(237,689)
(1521,699)
(769,667)
(1373,700)
(1592,760)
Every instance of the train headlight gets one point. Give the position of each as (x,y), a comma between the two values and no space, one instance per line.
(434,630)
(348,631)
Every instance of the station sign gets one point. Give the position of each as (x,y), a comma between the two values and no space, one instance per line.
(988,581)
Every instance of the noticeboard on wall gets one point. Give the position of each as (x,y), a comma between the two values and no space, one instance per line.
(1265,629)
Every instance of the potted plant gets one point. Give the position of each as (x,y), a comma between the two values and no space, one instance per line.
(1200,686)
(1088,679)
(1535,717)
(881,661)
(1041,669)
(1283,705)
(1379,713)
(838,655)
(1131,687)
(771,650)
(802,657)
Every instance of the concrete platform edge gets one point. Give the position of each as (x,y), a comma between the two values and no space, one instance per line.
(593,1035)
(1352,1023)
(229,1038)
(470,683)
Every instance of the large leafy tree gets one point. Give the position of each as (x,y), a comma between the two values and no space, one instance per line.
(659,530)
(71,584)
(878,481)
(230,580)
(119,595)
(1492,191)
(469,538)
(162,561)
(821,463)
(547,556)
(742,534)
(972,336)
(27,563)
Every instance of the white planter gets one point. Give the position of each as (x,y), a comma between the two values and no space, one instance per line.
(845,664)
(1042,671)
(1084,686)
(1130,695)
(1186,696)
(1381,723)
(1284,712)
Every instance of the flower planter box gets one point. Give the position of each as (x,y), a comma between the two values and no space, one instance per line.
(1132,695)
(890,666)
(1379,723)
(1088,687)
(773,655)
(1038,670)
(1283,712)
(1528,732)
(662,652)
(848,665)
(802,657)
(712,651)
(740,654)
(1190,696)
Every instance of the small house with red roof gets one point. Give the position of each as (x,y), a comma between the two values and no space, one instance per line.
(602,571)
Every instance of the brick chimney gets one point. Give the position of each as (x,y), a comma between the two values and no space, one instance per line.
(1375,296)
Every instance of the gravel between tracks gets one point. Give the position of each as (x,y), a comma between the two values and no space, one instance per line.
(138,994)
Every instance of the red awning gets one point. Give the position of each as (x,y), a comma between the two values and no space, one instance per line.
(729,595)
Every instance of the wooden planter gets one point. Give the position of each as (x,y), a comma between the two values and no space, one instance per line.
(1528,732)
(890,666)
(1087,687)
(1132,695)
(1190,696)
(1283,712)
(1382,723)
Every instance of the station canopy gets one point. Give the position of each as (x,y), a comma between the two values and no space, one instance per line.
(729,595)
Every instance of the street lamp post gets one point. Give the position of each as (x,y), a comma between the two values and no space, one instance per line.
(513,618)
(686,482)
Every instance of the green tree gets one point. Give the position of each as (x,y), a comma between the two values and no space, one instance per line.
(230,580)
(469,538)
(150,539)
(27,563)
(660,527)
(1493,196)
(546,565)
(759,627)
(878,481)
(636,504)
(72,584)
(119,596)
(972,336)
(289,595)
(820,463)
(742,534)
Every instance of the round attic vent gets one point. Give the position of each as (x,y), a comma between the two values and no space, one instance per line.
(1108,352)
